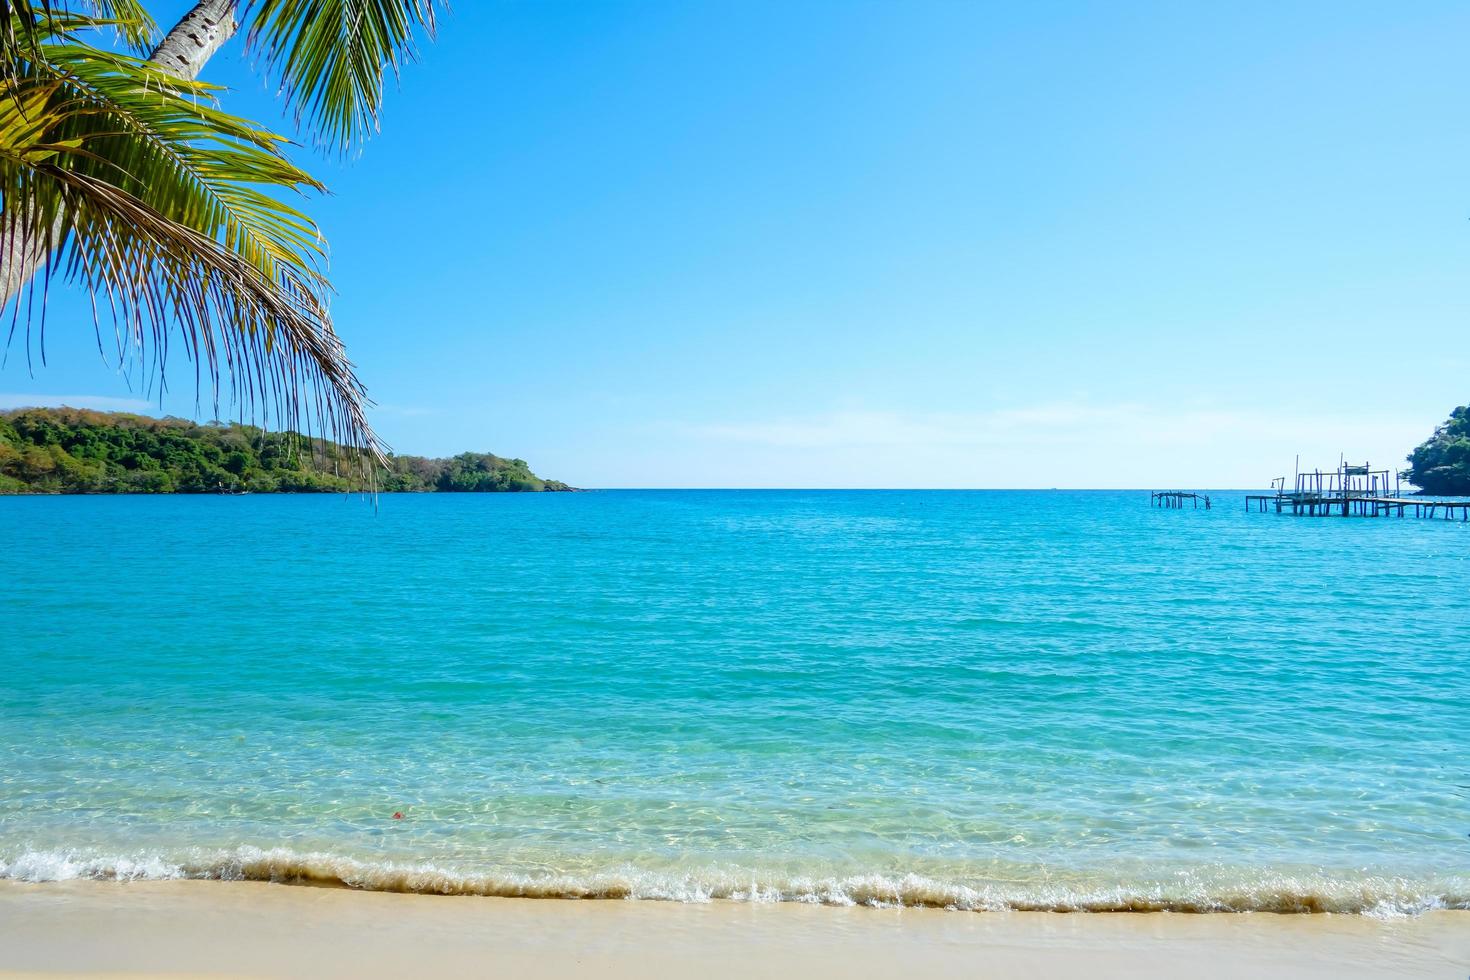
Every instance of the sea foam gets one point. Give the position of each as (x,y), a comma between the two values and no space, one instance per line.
(1207,890)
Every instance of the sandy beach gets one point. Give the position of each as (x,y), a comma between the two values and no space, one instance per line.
(192,928)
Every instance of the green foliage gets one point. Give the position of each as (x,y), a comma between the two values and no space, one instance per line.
(1441,465)
(127,182)
(66,450)
(332,56)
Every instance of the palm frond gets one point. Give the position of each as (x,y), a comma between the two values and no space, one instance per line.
(131,20)
(167,211)
(332,56)
(27,23)
(20,38)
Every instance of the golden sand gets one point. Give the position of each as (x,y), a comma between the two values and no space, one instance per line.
(251,929)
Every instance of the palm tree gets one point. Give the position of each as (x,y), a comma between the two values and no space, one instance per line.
(120,174)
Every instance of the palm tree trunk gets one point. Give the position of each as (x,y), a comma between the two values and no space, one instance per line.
(195,38)
(182,53)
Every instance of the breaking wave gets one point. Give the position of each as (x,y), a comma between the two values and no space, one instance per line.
(1208,890)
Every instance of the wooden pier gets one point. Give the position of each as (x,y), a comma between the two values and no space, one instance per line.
(1352,491)
(1336,506)
(1174,499)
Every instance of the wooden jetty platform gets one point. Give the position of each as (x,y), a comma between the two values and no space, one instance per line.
(1352,491)
(1175,499)
(1312,505)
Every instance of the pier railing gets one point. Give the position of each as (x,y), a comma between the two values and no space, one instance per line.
(1352,491)
(1175,499)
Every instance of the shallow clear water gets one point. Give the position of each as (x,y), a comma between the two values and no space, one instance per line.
(989,699)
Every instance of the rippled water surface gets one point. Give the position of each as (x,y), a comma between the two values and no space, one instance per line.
(1056,700)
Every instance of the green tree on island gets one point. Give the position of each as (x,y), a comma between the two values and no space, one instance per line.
(119,174)
(69,450)
(1441,464)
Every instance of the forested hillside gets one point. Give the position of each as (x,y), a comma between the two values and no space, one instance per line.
(1441,465)
(65,450)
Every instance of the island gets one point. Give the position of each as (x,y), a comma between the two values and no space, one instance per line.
(69,450)
(1440,466)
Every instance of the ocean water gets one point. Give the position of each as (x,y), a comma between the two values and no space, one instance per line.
(1054,700)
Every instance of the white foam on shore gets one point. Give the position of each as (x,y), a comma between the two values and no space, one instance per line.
(1208,891)
(69,865)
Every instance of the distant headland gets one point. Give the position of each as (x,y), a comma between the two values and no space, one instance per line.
(68,450)
(1441,464)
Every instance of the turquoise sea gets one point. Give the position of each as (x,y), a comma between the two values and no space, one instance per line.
(1056,700)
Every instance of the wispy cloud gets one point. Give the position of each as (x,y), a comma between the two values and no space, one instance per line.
(1051,444)
(1042,426)
(99,402)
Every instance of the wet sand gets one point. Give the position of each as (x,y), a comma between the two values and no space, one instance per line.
(251,929)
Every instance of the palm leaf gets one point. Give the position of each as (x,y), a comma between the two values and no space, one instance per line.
(332,56)
(131,20)
(168,211)
(26,23)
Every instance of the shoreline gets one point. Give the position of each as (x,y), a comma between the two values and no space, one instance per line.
(1203,890)
(214,928)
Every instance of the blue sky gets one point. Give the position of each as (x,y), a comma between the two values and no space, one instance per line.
(896,244)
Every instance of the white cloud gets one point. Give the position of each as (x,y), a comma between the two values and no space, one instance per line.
(1054,444)
(1056,425)
(100,402)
